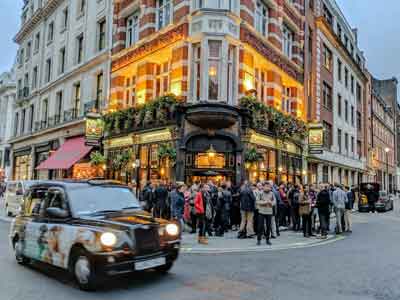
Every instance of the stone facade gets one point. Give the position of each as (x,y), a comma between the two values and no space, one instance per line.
(62,72)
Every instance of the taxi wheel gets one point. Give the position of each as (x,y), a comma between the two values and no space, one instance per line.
(165,268)
(21,259)
(83,270)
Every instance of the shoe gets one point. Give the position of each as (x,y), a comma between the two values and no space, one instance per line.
(251,236)
(273,237)
(269,243)
(258,242)
(278,234)
(203,241)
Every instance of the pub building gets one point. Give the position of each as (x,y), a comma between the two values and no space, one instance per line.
(208,55)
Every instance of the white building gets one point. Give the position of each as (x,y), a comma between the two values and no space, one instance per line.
(62,72)
(7,99)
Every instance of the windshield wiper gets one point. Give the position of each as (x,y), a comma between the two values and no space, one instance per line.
(100,212)
(131,207)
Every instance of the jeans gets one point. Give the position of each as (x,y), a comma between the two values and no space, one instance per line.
(347,219)
(314,215)
(247,222)
(193,219)
(201,224)
(261,230)
(295,218)
(323,222)
(339,214)
(306,224)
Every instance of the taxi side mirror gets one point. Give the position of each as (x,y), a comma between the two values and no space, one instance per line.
(56,212)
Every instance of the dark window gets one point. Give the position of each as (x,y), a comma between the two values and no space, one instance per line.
(23,115)
(327,135)
(358,92)
(346,142)
(102,35)
(359,148)
(352,115)
(339,140)
(327,57)
(79,49)
(99,90)
(346,110)
(346,77)
(31,116)
(339,105)
(339,69)
(325,174)
(359,121)
(328,15)
(327,96)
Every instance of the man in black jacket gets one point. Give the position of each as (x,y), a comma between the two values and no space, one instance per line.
(161,201)
(247,207)
(323,205)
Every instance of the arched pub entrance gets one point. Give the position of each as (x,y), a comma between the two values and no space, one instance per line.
(215,158)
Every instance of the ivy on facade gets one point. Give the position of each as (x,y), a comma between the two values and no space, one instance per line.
(154,113)
(263,116)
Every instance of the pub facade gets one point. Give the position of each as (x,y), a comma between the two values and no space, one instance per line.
(206,90)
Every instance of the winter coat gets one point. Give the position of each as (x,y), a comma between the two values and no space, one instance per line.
(323,201)
(339,198)
(247,199)
(177,204)
(199,204)
(294,198)
(350,200)
(265,203)
(304,205)
(161,195)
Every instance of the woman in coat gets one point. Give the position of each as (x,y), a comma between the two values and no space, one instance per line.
(200,209)
(305,210)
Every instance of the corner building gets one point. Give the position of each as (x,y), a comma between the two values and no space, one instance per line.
(209,54)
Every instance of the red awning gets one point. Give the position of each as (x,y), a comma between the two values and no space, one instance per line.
(67,155)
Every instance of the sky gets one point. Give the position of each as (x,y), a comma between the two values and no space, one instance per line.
(377,23)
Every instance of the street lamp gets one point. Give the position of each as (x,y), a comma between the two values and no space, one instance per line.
(387,168)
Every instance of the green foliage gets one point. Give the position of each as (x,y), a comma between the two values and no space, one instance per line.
(155,111)
(121,161)
(97,158)
(167,151)
(284,125)
(252,156)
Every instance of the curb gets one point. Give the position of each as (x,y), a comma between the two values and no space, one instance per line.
(329,240)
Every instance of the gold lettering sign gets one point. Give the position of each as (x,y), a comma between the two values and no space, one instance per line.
(262,140)
(119,142)
(292,148)
(154,136)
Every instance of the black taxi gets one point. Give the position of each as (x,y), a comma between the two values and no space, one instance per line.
(93,229)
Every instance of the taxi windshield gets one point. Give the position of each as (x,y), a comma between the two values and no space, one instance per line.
(86,200)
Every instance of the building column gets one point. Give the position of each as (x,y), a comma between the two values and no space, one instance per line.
(320,168)
(330,175)
(335,175)
(33,162)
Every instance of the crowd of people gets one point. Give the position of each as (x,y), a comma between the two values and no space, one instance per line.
(255,210)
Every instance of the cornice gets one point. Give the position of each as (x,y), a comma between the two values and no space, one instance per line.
(34,20)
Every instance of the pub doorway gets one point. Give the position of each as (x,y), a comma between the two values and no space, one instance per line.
(210,158)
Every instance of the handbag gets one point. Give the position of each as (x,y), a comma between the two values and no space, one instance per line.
(304,209)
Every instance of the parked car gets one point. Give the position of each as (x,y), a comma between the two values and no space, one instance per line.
(368,195)
(94,229)
(13,196)
(384,203)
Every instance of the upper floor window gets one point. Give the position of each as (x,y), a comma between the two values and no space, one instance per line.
(37,42)
(346,110)
(214,69)
(164,9)
(215,4)
(339,69)
(352,84)
(64,20)
(101,29)
(327,57)
(132,29)
(77,100)
(346,77)
(328,15)
(16,123)
(99,89)
(339,140)
(261,18)
(79,49)
(196,71)
(62,61)
(287,41)
(339,30)
(50,32)
(327,95)
(48,70)
(34,77)
(28,50)
(81,7)
(358,92)
(339,105)
(327,134)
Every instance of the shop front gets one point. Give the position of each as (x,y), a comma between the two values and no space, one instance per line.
(70,160)
(141,157)
(22,163)
(277,160)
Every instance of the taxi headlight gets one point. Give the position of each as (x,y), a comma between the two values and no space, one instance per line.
(108,239)
(172,229)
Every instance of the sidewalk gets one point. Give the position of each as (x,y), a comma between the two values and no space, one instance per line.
(231,244)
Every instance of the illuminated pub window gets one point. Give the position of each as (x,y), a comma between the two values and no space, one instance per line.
(291,168)
(205,161)
(22,167)
(266,168)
